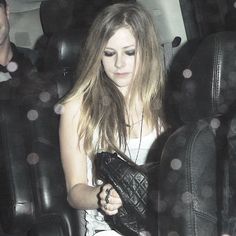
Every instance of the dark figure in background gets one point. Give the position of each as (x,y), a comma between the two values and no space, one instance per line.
(20,80)
(14,65)
(23,86)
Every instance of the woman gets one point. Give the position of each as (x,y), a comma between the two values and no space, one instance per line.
(114,106)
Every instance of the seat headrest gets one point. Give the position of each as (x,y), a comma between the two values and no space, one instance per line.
(208,85)
(63,50)
(56,16)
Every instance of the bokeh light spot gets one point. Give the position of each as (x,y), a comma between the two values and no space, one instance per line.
(233,126)
(187,197)
(187,73)
(12,66)
(44,96)
(215,123)
(33,158)
(176,164)
(59,109)
(173,233)
(32,115)
(144,233)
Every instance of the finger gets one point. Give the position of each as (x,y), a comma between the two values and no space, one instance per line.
(110,198)
(107,198)
(114,193)
(114,200)
(106,189)
(110,213)
(114,197)
(103,194)
(108,208)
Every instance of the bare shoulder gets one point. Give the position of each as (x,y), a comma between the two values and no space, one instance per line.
(71,107)
(70,114)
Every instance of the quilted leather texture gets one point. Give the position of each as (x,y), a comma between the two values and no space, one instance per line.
(131,183)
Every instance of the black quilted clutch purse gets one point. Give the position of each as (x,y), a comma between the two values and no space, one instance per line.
(135,185)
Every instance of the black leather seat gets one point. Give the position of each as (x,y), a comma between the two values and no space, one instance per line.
(197,172)
(33,193)
(61,57)
(17,211)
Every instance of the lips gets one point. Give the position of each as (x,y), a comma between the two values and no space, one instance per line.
(121,74)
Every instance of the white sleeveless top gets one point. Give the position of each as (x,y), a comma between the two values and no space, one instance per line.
(95,219)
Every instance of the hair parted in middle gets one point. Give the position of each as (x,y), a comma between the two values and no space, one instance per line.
(103,107)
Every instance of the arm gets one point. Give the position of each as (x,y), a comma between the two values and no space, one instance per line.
(74,161)
(80,195)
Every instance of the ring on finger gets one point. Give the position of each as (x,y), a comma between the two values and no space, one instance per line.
(108,192)
(107,198)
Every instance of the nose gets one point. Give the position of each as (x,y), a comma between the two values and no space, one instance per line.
(120,61)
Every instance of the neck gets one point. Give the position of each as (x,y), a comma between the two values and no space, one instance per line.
(5,53)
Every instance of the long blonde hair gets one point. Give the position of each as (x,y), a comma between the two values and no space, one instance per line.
(103,107)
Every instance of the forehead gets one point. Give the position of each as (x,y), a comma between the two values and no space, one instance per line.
(123,37)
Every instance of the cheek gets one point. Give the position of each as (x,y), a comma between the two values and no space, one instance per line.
(107,65)
(131,64)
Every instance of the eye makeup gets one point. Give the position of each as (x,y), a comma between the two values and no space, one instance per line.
(109,53)
(130,52)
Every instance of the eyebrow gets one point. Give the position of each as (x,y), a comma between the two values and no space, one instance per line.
(123,47)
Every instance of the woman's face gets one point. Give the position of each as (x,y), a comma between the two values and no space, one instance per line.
(119,58)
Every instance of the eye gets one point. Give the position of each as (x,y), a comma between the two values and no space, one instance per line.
(130,52)
(109,53)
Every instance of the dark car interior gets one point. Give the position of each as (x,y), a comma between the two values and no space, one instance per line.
(197,179)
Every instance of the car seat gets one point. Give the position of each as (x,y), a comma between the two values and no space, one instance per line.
(33,193)
(197,171)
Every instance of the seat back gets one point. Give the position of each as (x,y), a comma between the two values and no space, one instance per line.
(61,58)
(196,177)
(34,196)
(17,210)
(33,192)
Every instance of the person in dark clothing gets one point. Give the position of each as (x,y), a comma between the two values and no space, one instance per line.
(21,85)
(15,67)
(18,66)
(12,62)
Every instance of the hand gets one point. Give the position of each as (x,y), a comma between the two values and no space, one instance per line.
(110,200)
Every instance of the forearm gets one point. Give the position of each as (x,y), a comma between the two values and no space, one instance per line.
(82,196)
